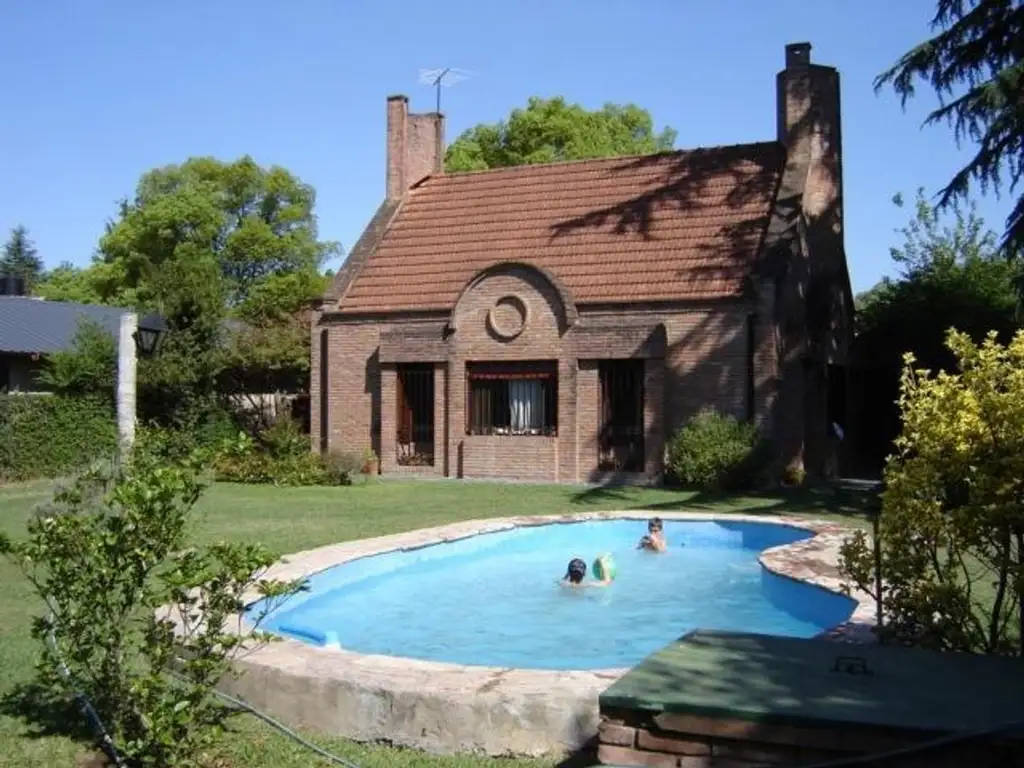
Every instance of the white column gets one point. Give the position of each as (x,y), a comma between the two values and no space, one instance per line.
(126,359)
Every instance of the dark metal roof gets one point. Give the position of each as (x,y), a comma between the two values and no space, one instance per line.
(30,325)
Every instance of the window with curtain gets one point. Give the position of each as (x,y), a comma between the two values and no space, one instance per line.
(518,398)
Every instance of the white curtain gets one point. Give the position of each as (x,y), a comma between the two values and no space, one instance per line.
(526,405)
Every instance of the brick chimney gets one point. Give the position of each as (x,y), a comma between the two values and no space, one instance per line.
(415,146)
(809,126)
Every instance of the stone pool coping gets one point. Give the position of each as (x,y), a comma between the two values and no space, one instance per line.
(448,708)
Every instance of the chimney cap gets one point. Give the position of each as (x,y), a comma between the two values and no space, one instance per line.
(798,55)
(398,97)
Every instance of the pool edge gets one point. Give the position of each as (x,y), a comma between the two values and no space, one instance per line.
(450,708)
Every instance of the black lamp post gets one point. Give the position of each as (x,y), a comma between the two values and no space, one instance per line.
(151,331)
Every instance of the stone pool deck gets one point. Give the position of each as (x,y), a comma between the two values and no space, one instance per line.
(450,708)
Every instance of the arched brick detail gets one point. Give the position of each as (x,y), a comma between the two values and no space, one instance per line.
(567,312)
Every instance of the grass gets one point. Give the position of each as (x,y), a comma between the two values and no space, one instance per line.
(293,519)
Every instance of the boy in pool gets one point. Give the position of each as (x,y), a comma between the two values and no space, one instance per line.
(654,541)
(575,574)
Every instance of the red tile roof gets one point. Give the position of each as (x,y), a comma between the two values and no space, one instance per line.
(681,225)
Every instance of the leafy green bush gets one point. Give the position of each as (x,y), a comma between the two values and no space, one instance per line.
(243,460)
(88,367)
(342,466)
(49,435)
(948,569)
(716,451)
(203,425)
(285,440)
(145,624)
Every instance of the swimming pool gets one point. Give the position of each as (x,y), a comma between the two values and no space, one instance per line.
(495,599)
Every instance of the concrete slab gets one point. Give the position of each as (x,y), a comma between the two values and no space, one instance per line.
(790,681)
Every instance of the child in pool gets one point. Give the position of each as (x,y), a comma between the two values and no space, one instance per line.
(654,541)
(576,572)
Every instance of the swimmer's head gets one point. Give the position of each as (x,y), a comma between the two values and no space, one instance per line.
(655,525)
(577,570)
(645,543)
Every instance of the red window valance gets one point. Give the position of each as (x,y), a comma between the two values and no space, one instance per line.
(512,370)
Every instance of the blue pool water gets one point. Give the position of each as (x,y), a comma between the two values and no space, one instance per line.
(495,599)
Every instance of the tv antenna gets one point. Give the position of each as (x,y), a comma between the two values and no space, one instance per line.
(444,77)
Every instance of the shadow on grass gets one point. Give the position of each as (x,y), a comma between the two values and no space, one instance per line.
(46,714)
(584,758)
(854,501)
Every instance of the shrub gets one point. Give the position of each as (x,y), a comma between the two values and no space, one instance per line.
(285,440)
(203,425)
(951,529)
(130,602)
(794,475)
(50,435)
(88,367)
(243,460)
(716,451)
(343,465)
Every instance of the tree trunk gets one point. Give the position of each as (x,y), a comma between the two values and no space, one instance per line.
(1019,534)
(1006,560)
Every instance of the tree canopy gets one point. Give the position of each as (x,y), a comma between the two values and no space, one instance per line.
(950,275)
(67,282)
(550,130)
(230,255)
(974,64)
(20,257)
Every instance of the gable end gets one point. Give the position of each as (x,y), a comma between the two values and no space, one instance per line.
(362,250)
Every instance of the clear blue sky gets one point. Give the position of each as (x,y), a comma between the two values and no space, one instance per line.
(96,93)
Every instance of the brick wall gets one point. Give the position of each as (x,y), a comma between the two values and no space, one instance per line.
(415,146)
(686,741)
(541,338)
(588,412)
(705,362)
(809,124)
(388,418)
(424,146)
(317,371)
(700,360)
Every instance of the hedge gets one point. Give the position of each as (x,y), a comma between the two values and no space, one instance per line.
(49,435)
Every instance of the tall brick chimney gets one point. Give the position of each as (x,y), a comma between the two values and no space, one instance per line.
(415,146)
(809,126)
(816,338)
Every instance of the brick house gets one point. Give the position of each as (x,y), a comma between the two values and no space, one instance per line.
(557,322)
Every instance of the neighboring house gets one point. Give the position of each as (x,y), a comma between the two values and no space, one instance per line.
(559,322)
(32,328)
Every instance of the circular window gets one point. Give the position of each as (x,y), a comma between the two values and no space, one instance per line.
(507,317)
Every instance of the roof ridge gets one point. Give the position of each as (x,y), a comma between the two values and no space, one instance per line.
(599,160)
(42,300)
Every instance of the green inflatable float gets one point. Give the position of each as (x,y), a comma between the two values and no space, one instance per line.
(604,568)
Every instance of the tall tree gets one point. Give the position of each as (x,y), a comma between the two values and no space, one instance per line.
(974,64)
(204,242)
(20,257)
(67,282)
(550,130)
(950,274)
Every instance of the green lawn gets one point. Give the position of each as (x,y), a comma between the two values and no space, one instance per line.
(293,519)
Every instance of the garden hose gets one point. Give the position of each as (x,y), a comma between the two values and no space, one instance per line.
(107,743)
(285,730)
